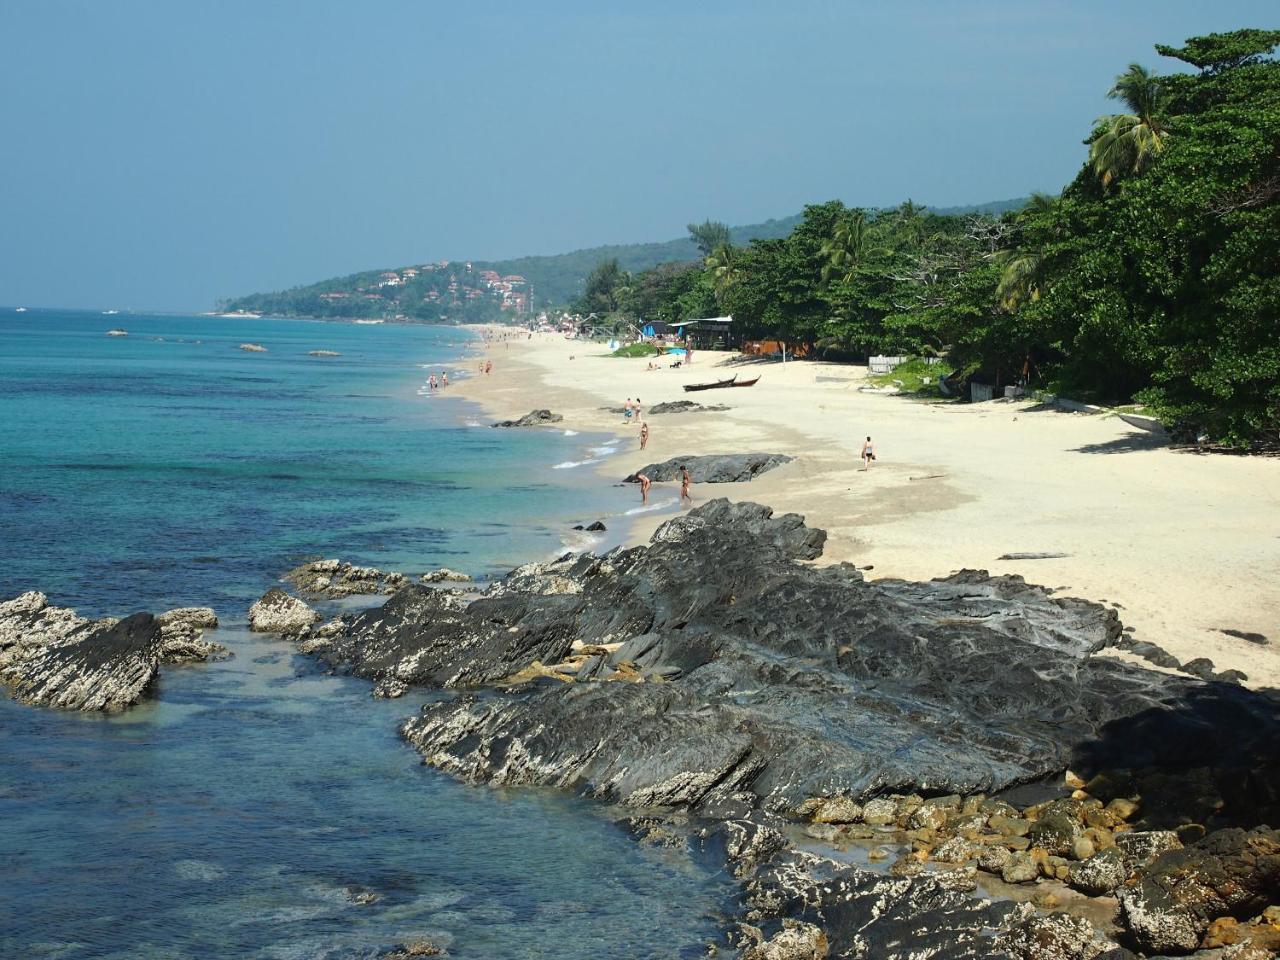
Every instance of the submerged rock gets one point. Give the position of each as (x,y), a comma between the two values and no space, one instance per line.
(253,348)
(720,468)
(337,578)
(277,612)
(533,418)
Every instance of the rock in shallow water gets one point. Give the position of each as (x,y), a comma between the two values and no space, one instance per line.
(337,578)
(277,612)
(534,418)
(51,657)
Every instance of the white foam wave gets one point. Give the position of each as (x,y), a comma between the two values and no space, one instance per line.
(650,507)
(571,433)
(570,464)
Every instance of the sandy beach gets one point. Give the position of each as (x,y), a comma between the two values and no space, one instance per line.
(1183,545)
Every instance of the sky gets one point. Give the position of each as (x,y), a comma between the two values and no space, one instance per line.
(160,154)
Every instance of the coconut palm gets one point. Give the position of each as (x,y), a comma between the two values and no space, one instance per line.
(1025,268)
(1128,142)
(846,248)
(722,263)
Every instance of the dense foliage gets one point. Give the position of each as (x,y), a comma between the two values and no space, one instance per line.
(1154,276)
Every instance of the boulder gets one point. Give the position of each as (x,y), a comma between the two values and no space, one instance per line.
(838,810)
(182,636)
(1019,868)
(1143,846)
(277,612)
(1230,872)
(795,941)
(1054,937)
(1101,874)
(683,406)
(718,468)
(534,418)
(253,348)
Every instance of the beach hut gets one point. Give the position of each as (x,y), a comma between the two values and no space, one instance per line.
(708,333)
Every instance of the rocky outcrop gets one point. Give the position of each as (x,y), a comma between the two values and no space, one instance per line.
(721,468)
(253,348)
(534,418)
(277,612)
(182,636)
(715,672)
(51,657)
(444,575)
(323,353)
(683,406)
(337,578)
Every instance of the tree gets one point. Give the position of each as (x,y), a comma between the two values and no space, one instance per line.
(709,236)
(600,294)
(1128,142)
(722,266)
(845,248)
(1224,51)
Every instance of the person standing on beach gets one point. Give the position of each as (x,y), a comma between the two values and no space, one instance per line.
(685,480)
(626,410)
(644,487)
(868,454)
(444,379)
(644,435)
(639,411)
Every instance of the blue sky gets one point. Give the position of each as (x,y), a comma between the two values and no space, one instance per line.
(158,155)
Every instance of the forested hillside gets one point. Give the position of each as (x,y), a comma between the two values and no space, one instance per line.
(551,280)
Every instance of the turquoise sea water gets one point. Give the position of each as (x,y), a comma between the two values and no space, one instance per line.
(247,808)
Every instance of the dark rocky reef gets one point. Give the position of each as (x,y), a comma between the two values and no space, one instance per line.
(716,673)
(534,418)
(717,468)
(337,578)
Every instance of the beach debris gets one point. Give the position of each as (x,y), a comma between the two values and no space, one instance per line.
(533,418)
(277,612)
(253,347)
(715,468)
(1032,556)
(337,578)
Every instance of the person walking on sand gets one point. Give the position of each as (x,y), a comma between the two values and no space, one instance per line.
(644,435)
(644,487)
(626,410)
(868,454)
(639,411)
(444,379)
(685,480)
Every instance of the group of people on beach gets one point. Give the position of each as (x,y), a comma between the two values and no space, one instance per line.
(486,366)
(434,384)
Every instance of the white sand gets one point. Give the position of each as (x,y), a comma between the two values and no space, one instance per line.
(1183,544)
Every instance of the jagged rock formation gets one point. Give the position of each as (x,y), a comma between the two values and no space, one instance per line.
(337,578)
(534,418)
(718,468)
(51,657)
(277,612)
(715,672)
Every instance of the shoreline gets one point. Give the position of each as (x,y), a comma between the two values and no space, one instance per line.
(1183,547)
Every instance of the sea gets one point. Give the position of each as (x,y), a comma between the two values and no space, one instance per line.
(259,807)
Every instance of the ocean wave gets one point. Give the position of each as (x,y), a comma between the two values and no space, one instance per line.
(570,464)
(571,433)
(650,507)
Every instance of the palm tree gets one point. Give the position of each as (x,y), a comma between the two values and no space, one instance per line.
(1025,268)
(846,247)
(722,262)
(1128,142)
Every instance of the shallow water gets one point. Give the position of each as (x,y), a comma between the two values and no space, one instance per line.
(246,808)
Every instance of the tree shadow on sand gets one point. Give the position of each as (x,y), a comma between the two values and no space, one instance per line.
(1129,443)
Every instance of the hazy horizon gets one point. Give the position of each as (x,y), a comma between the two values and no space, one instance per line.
(160,158)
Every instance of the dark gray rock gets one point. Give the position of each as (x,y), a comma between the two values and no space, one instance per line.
(1033,556)
(105,667)
(534,418)
(722,468)
(683,406)
(1230,872)
(1257,638)
(1054,937)
(1101,874)
(52,657)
